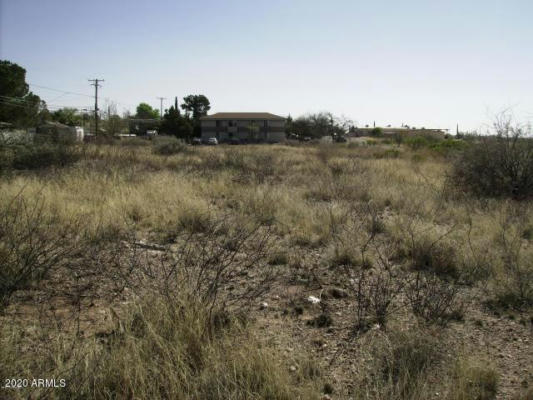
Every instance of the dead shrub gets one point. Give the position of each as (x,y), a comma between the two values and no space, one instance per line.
(31,245)
(376,292)
(515,279)
(433,300)
(208,264)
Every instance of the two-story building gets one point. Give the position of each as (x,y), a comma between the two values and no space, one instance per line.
(249,127)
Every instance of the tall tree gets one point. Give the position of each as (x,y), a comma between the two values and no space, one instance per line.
(67,116)
(145,111)
(176,125)
(17,104)
(196,105)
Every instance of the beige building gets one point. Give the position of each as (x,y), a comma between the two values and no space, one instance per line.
(251,127)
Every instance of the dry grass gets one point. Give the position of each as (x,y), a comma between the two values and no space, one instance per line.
(307,197)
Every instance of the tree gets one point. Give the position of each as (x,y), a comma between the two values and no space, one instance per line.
(17,104)
(115,125)
(288,125)
(145,111)
(317,125)
(67,116)
(196,105)
(176,125)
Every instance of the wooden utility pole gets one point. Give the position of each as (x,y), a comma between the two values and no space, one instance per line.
(96,86)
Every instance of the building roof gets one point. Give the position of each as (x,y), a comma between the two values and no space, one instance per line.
(243,115)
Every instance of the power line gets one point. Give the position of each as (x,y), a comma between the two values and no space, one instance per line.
(21,102)
(96,86)
(59,90)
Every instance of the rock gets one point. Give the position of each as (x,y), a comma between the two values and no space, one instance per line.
(263,305)
(326,397)
(292,368)
(313,300)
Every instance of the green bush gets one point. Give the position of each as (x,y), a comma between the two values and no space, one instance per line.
(448,146)
(377,132)
(416,142)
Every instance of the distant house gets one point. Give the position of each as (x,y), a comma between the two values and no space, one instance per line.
(404,131)
(246,126)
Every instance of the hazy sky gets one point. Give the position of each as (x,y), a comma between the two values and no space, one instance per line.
(425,63)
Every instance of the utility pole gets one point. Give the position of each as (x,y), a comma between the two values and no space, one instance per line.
(96,86)
(161,106)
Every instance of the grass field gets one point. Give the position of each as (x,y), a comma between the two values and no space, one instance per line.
(189,275)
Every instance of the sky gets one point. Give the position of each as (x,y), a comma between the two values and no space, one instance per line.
(424,63)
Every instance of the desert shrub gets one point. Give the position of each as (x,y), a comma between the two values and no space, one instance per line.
(435,256)
(449,146)
(194,220)
(207,264)
(416,142)
(31,245)
(474,379)
(278,258)
(514,287)
(433,300)
(167,146)
(390,153)
(377,132)
(497,166)
(134,142)
(29,155)
(376,291)
(346,256)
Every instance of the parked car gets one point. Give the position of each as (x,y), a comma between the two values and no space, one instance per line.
(196,141)
(212,141)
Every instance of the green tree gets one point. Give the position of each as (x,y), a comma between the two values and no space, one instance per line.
(197,106)
(145,111)
(17,104)
(175,124)
(67,116)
